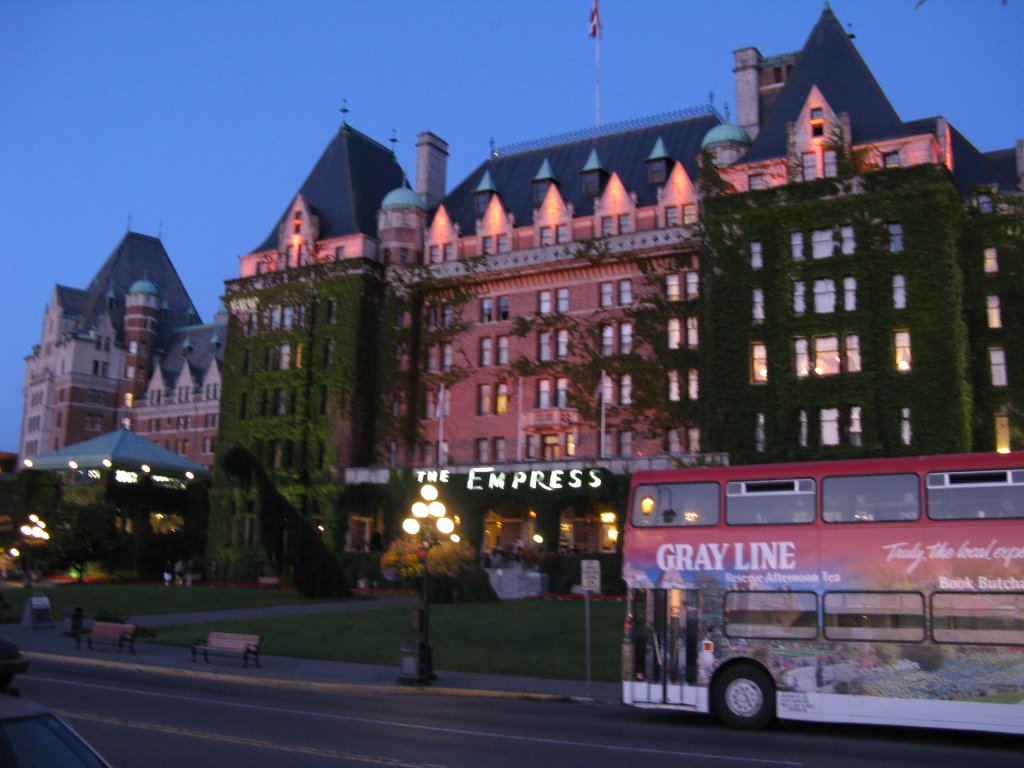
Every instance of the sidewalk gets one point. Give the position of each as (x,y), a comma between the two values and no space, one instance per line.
(44,644)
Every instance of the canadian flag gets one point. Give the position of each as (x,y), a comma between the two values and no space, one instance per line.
(595,21)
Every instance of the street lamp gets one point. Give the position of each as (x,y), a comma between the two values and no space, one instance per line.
(428,521)
(34,534)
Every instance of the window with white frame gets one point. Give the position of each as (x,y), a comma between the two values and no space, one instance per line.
(672,287)
(692,333)
(799,298)
(851,348)
(486,347)
(689,214)
(625,292)
(906,433)
(562,344)
(607,294)
(693,439)
(796,245)
(562,300)
(544,393)
(544,302)
(671,216)
(830,163)
(625,223)
(826,355)
(674,391)
(501,399)
(895,237)
(809,166)
(546,236)
(849,293)
(757,305)
(802,439)
(693,384)
(891,159)
(502,350)
(675,331)
(991,261)
(759,433)
(899,292)
(607,340)
(486,310)
(449,251)
(607,388)
(626,390)
(758,363)
(901,345)
(544,346)
(756,254)
(847,240)
(755,181)
(483,450)
(856,429)
(824,296)
(607,225)
(801,360)
(625,338)
(822,243)
(562,392)
(993,312)
(997,366)
(829,420)
(446,357)
(692,278)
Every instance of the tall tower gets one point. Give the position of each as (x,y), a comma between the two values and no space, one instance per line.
(141,324)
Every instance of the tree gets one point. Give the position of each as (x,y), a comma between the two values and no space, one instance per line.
(82,533)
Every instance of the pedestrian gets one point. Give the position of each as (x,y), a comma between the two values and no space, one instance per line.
(167,573)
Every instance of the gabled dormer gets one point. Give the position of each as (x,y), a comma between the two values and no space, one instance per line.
(593,174)
(298,234)
(812,139)
(483,193)
(442,237)
(658,163)
(542,181)
(494,229)
(552,219)
(156,387)
(677,199)
(615,209)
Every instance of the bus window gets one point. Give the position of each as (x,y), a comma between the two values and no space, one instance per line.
(960,617)
(879,616)
(769,502)
(675,504)
(974,495)
(782,615)
(870,498)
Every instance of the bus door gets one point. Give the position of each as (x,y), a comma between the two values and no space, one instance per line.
(665,632)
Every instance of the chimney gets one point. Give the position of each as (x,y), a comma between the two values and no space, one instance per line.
(431,168)
(748,97)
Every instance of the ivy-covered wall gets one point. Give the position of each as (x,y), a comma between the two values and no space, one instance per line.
(924,203)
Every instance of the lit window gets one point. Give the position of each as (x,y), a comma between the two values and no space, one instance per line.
(562,344)
(995,316)
(830,164)
(755,181)
(673,386)
(607,294)
(625,338)
(809,166)
(625,292)
(562,299)
(901,342)
(799,302)
(824,296)
(822,243)
(1002,428)
(692,284)
(607,225)
(672,216)
(826,355)
(803,429)
(890,159)
(693,384)
(672,287)
(802,362)
(856,429)
(899,292)
(486,310)
(607,340)
(689,214)
(692,335)
(997,365)
(757,301)
(847,239)
(756,255)
(829,426)
(626,390)
(991,264)
(486,347)
(544,302)
(851,343)
(693,439)
(758,363)
(675,328)
(896,238)
(562,392)
(501,400)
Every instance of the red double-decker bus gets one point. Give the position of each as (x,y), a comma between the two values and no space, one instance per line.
(868,591)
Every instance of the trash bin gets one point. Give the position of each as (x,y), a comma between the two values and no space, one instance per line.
(415,665)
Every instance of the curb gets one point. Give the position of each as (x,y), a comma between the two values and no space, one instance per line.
(278,682)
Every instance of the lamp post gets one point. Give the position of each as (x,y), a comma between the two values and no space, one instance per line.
(34,533)
(429,521)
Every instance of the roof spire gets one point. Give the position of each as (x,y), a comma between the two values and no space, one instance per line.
(344,112)
(394,141)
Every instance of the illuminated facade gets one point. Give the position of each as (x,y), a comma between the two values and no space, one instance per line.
(821,279)
(128,351)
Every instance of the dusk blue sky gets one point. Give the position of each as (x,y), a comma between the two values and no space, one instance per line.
(199,120)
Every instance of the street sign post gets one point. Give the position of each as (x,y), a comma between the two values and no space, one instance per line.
(590,582)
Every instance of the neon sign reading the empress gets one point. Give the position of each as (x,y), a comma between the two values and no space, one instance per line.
(487,478)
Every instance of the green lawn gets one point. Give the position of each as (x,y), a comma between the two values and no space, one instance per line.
(536,638)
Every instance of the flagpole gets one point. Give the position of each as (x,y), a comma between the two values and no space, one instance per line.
(602,449)
(442,457)
(597,80)
(519,420)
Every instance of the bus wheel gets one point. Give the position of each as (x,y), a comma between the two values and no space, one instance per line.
(744,697)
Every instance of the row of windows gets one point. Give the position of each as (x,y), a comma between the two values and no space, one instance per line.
(956,617)
(829,355)
(824,243)
(989,494)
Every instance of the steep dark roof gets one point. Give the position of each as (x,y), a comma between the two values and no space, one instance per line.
(1004,162)
(972,168)
(71,300)
(196,346)
(829,61)
(622,153)
(345,187)
(136,257)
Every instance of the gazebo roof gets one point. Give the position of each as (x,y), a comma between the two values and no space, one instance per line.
(120,450)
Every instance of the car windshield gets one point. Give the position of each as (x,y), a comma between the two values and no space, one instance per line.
(43,742)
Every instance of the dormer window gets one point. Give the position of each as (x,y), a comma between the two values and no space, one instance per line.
(817,121)
(592,183)
(657,171)
(481,199)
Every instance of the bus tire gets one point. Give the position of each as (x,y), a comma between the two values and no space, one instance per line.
(744,697)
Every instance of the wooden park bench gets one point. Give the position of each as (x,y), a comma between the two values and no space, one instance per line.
(109,632)
(229,644)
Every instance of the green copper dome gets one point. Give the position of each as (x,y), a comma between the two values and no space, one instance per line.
(144,286)
(403,197)
(725,133)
